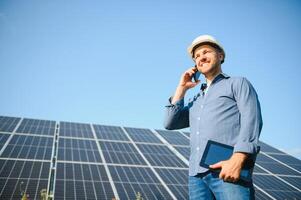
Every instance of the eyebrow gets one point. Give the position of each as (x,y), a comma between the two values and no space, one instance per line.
(202,51)
(207,49)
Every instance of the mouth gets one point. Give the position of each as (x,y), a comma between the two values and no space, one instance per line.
(204,63)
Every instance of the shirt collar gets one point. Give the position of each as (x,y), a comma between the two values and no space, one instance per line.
(217,78)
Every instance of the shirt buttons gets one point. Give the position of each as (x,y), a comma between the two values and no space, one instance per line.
(199,118)
(202,106)
(198,148)
(197,132)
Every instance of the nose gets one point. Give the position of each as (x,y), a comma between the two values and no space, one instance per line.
(203,59)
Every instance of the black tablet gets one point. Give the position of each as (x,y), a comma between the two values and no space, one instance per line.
(216,152)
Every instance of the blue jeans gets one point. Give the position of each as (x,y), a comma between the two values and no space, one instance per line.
(208,186)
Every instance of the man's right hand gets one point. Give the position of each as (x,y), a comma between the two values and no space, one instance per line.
(185,84)
(186,79)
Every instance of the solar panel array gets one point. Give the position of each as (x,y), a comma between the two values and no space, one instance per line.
(88,161)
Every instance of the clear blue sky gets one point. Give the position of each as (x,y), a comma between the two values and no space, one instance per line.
(116,62)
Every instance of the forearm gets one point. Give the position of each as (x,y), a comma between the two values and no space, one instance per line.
(176,115)
(179,94)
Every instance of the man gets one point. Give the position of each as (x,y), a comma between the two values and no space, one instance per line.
(226,110)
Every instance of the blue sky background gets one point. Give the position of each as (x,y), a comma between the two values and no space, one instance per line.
(117,62)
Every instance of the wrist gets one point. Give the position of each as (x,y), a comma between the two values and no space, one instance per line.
(240,157)
(181,88)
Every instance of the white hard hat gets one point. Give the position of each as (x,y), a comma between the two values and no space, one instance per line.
(205,39)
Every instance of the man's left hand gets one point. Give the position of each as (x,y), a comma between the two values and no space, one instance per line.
(230,169)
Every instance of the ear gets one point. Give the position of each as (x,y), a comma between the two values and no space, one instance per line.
(221,56)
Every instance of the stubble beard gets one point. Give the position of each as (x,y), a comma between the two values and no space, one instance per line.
(215,70)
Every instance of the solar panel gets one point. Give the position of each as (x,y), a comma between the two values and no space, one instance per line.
(29,147)
(274,166)
(37,127)
(121,153)
(174,137)
(268,149)
(258,170)
(159,155)
(185,151)
(289,160)
(132,181)
(110,133)
(27,176)
(106,162)
(70,129)
(8,124)
(3,139)
(186,133)
(295,181)
(275,187)
(261,195)
(78,150)
(82,181)
(176,180)
(142,135)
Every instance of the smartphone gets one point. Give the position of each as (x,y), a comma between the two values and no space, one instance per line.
(196,75)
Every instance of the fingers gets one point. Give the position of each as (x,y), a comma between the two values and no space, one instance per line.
(192,84)
(228,176)
(222,175)
(216,165)
(226,173)
(190,72)
(186,79)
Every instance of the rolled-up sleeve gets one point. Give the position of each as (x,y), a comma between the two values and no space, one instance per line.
(176,115)
(250,117)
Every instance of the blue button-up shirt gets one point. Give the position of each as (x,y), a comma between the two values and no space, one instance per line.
(228,113)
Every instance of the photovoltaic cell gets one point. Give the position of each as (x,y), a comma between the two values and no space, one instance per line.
(159,155)
(29,147)
(3,139)
(185,151)
(142,135)
(274,166)
(11,188)
(24,169)
(295,181)
(130,181)
(259,195)
(186,133)
(110,133)
(82,181)
(174,137)
(37,127)
(78,150)
(289,160)
(75,130)
(121,153)
(29,176)
(176,180)
(258,170)
(8,124)
(267,148)
(276,187)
